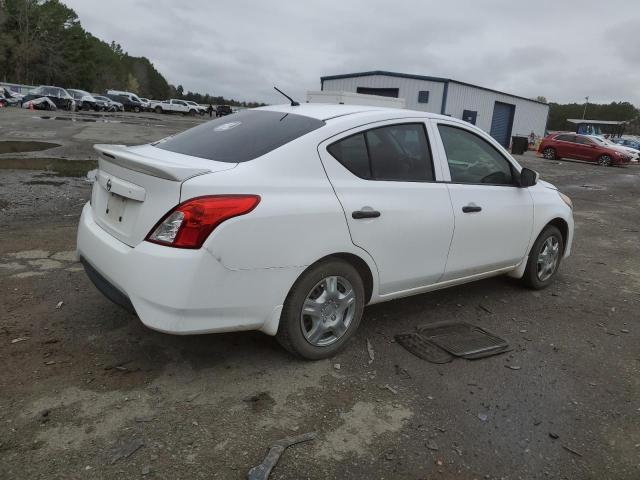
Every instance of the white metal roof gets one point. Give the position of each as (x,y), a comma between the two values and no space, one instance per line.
(599,122)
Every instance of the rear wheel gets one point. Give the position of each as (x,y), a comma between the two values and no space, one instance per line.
(192,113)
(158,110)
(136,109)
(549,153)
(544,258)
(322,311)
(604,161)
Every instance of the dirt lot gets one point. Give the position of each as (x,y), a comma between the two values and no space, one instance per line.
(87,392)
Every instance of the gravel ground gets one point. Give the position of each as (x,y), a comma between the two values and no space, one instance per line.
(88,392)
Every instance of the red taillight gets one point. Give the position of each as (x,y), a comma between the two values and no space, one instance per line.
(190,223)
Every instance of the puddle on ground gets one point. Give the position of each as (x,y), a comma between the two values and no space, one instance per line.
(20,146)
(57,166)
(95,120)
(44,182)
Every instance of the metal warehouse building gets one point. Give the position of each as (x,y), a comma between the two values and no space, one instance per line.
(501,114)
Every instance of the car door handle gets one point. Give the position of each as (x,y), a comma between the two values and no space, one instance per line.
(471,208)
(358,214)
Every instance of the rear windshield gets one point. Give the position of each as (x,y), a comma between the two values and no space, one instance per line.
(241,136)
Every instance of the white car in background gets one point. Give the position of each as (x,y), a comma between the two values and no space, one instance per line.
(290,219)
(635,153)
(175,106)
(199,108)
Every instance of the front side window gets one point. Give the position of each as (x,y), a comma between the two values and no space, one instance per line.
(584,141)
(395,153)
(474,160)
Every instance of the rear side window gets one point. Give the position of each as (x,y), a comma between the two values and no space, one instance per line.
(584,141)
(395,153)
(242,137)
(566,138)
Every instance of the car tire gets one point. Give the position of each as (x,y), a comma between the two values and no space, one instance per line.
(544,258)
(336,318)
(549,153)
(192,113)
(136,109)
(158,110)
(605,161)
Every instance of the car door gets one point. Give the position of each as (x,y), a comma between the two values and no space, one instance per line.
(586,149)
(493,215)
(383,176)
(568,146)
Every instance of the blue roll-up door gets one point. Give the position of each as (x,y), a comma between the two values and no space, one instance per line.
(502,122)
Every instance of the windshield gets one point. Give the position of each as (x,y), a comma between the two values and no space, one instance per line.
(242,137)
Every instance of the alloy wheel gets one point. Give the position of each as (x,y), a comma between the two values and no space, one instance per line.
(328,310)
(548,258)
(604,160)
(548,153)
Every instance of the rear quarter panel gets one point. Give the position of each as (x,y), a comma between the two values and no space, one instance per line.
(298,220)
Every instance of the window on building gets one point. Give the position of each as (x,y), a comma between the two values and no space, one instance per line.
(423,96)
(472,159)
(382,92)
(394,153)
(470,116)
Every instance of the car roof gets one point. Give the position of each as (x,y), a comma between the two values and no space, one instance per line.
(326,111)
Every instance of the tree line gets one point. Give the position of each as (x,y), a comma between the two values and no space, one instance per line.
(43,42)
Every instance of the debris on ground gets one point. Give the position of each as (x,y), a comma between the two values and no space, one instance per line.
(513,367)
(483,417)
(389,387)
(571,450)
(370,351)
(553,435)
(262,471)
(59,305)
(336,366)
(463,339)
(431,445)
(402,372)
(126,449)
(19,339)
(423,348)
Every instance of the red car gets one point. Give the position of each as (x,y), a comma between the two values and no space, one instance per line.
(580,147)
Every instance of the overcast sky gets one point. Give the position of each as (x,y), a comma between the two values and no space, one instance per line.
(563,50)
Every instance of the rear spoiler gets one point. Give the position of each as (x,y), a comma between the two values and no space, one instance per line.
(124,157)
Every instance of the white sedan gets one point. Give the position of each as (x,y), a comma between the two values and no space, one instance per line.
(290,219)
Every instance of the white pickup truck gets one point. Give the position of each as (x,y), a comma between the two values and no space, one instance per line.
(174,106)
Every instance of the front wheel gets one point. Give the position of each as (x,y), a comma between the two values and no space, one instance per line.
(544,258)
(322,311)
(605,161)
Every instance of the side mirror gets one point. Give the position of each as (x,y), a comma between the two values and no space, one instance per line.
(528,177)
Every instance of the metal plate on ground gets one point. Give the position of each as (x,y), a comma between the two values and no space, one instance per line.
(423,348)
(463,339)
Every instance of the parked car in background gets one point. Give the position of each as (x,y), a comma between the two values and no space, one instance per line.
(199,108)
(201,232)
(146,103)
(628,142)
(9,97)
(635,154)
(58,96)
(127,102)
(135,104)
(581,147)
(175,106)
(222,110)
(84,100)
(107,104)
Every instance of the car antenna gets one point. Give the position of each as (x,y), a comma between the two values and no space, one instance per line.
(293,102)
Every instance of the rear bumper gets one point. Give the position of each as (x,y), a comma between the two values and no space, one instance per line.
(182,291)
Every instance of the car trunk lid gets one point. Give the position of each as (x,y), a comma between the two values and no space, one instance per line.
(136,186)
